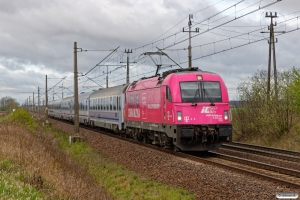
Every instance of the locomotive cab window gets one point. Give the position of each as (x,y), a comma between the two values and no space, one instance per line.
(168,94)
(204,91)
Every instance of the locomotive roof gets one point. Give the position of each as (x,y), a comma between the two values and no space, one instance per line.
(109,91)
(183,71)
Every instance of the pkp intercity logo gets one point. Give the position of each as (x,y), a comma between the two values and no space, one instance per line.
(209,109)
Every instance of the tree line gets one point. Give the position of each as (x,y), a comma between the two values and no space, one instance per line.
(7,104)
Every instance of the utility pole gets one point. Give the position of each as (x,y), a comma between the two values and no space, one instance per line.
(39,101)
(46,109)
(76,111)
(272,43)
(190,38)
(29,104)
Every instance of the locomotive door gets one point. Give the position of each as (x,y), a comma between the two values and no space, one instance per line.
(144,106)
(167,104)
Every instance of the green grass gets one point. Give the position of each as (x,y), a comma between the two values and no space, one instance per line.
(12,185)
(116,179)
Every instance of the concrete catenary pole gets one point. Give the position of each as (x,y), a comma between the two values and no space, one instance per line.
(190,39)
(127,74)
(272,44)
(76,111)
(33,106)
(39,102)
(46,108)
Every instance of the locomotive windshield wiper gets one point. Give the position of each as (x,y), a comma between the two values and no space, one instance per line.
(212,103)
(194,103)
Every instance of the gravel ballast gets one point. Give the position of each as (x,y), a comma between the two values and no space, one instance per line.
(205,181)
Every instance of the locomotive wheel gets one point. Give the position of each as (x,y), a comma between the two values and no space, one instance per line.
(144,139)
(176,149)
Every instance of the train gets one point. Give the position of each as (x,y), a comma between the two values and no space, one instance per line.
(181,109)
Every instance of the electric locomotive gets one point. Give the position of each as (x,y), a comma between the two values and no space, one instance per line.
(184,109)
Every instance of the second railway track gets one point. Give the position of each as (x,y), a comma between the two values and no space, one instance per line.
(264,151)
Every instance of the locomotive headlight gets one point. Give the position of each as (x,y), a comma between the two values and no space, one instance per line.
(226,114)
(179,116)
(199,77)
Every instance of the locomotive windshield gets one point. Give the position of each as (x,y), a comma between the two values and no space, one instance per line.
(204,91)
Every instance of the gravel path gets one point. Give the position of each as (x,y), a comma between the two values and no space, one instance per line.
(205,181)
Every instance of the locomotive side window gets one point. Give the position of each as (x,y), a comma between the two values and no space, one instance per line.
(200,91)
(168,94)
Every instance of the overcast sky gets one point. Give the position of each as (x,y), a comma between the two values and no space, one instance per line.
(37,39)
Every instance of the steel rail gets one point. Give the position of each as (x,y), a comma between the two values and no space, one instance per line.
(264,152)
(264,148)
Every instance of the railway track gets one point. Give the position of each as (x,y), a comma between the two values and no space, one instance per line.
(264,151)
(284,176)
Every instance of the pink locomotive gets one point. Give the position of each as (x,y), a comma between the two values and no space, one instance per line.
(184,109)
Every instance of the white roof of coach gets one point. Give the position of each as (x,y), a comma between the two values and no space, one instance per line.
(116,90)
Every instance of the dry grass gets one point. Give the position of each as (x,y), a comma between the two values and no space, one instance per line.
(288,140)
(50,169)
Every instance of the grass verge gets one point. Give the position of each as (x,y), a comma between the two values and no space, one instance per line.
(120,182)
(12,185)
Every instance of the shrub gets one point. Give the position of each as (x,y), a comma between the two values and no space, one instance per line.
(21,116)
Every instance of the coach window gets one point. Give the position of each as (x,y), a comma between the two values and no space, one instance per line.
(110,103)
(119,103)
(117,98)
(106,103)
(101,102)
(114,103)
(168,94)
